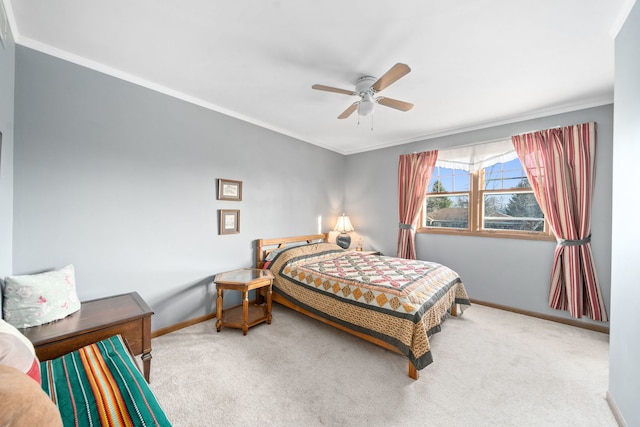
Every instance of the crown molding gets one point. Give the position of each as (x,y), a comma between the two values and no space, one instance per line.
(625,10)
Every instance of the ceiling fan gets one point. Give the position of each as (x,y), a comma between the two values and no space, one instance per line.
(367,87)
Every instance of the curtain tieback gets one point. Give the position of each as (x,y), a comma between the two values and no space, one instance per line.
(406,226)
(566,242)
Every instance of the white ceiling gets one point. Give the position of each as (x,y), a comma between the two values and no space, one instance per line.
(474,63)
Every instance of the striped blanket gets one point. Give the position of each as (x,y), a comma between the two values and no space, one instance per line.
(100,385)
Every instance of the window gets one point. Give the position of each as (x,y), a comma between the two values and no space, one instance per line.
(508,202)
(447,202)
(494,199)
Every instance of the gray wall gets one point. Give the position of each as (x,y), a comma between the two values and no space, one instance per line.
(7,78)
(503,271)
(121,182)
(624,348)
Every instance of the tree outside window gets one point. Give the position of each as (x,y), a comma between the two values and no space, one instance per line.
(493,201)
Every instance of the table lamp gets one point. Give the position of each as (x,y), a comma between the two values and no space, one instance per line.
(343,226)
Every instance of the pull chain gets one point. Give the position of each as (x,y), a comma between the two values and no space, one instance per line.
(371,121)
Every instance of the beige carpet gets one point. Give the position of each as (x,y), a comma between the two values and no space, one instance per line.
(491,368)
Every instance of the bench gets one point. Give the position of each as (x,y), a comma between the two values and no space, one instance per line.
(127,315)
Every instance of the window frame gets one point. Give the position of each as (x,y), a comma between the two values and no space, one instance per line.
(476,196)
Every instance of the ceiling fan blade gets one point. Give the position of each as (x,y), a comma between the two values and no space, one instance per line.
(394,103)
(346,113)
(333,89)
(396,72)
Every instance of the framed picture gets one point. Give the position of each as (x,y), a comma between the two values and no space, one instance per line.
(229,221)
(229,189)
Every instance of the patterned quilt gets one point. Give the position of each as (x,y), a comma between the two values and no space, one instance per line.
(100,385)
(401,302)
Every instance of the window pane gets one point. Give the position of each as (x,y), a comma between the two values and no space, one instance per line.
(512,211)
(505,176)
(447,211)
(445,180)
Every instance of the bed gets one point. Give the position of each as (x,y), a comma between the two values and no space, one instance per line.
(392,302)
(100,384)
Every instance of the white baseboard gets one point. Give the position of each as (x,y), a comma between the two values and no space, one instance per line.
(571,322)
(616,413)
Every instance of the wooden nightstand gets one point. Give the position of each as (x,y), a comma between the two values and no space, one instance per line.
(246,315)
(370,252)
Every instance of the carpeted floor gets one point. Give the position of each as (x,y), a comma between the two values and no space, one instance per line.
(491,368)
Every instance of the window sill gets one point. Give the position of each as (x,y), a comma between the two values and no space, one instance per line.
(493,234)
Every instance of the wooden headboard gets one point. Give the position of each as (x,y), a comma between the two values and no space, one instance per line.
(267,245)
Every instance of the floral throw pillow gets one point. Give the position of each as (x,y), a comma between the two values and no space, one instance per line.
(34,299)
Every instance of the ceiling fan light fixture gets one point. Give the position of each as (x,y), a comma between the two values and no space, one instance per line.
(366,107)
(367,104)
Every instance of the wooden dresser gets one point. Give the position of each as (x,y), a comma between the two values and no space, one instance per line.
(126,314)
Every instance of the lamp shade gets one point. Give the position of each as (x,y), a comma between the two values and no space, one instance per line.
(344,224)
(367,105)
(365,108)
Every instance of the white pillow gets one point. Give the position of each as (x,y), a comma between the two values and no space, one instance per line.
(17,351)
(34,299)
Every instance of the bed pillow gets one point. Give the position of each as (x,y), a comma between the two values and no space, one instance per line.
(275,252)
(272,254)
(17,351)
(35,299)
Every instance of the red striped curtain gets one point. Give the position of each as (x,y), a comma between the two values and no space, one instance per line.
(414,173)
(560,166)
